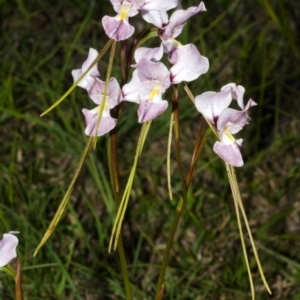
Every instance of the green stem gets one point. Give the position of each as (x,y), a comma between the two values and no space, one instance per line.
(179,210)
(124,269)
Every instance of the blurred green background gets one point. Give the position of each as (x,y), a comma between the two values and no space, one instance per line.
(253,43)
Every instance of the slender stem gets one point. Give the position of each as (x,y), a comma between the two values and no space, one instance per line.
(18,281)
(182,199)
(124,268)
(179,210)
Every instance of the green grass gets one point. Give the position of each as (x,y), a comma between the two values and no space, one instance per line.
(251,43)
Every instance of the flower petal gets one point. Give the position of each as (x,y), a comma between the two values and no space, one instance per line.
(249,104)
(8,247)
(159,5)
(152,54)
(133,89)
(113,94)
(232,119)
(211,104)
(107,123)
(152,72)
(149,110)
(230,153)
(156,17)
(237,93)
(90,76)
(189,64)
(178,19)
(117,29)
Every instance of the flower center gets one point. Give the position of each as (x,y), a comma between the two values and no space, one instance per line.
(106,104)
(228,133)
(154,92)
(124,12)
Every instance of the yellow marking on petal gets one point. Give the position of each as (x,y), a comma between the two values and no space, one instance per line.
(106,105)
(124,12)
(154,92)
(228,133)
(176,43)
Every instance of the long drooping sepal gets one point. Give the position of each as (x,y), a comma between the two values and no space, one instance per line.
(65,199)
(125,198)
(105,48)
(169,156)
(115,182)
(107,79)
(238,201)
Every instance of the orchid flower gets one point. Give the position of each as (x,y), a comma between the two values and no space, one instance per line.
(112,99)
(227,121)
(8,247)
(88,80)
(95,88)
(188,63)
(153,11)
(149,81)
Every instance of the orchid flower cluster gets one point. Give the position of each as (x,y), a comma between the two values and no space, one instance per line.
(150,79)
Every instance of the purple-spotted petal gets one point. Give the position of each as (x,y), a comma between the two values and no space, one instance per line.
(8,246)
(189,64)
(88,79)
(152,54)
(107,123)
(230,153)
(211,104)
(149,110)
(178,19)
(117,29)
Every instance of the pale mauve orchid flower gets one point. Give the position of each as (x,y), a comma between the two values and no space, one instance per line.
(149,81)
(188,63)
(113,98)
(227,121)
(8,246)
(88,80)
(153,11)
